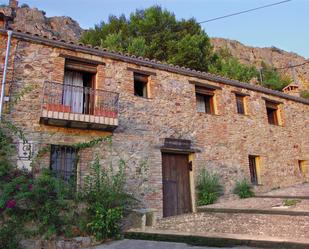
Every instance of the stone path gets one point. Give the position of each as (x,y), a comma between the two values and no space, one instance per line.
(142,244)
(272,218)
(254,224)
(265,203)
(297,190)
(293,227)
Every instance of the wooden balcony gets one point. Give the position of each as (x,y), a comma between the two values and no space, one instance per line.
(79,107)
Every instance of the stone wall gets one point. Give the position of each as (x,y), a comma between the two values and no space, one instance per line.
(225,139)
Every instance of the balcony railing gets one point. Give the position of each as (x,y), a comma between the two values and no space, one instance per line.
(79,107)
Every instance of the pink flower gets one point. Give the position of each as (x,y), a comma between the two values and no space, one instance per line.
(30,187)
(11,203)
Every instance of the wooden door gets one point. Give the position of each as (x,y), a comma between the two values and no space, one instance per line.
(176,184)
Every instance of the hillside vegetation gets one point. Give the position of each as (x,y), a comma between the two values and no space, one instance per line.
(157,34)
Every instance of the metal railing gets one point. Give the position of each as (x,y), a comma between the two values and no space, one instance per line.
(60,97)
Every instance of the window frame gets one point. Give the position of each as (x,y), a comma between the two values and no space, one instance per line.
(61,170)
(272,112)
(302,167)
(254,169)
(143,79)
(208,96)
(241,110)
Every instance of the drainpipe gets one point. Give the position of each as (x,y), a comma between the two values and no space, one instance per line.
(10,32)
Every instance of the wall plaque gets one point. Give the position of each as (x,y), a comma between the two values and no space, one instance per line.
(177,143)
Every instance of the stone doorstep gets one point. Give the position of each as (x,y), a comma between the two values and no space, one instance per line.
(274,211)
(303,197)
(217,239)
(142,218)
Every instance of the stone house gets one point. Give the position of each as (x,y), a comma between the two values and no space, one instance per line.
(166,122)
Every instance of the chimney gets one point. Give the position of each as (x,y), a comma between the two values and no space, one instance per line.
(292,89)
(13,4)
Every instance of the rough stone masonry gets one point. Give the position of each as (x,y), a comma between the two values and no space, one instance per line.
(221,142)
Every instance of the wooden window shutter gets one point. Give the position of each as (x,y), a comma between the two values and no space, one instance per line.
(80,66)
(204,90)
(271,105)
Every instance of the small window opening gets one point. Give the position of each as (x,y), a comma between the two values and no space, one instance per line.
(253,164)
(204,100)
(272,113)
(240,103)
(302,167)
(63,161)
(140,85)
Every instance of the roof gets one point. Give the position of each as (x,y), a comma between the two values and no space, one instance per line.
(80,47)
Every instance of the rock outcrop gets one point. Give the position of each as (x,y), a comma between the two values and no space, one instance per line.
(34,21)
(272,56)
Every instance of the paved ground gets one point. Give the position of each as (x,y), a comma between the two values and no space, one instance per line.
(141,244)
(265,203)
(297,190)
(284,226)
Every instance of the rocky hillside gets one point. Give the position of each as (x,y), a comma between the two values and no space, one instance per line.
(35,21)
(272,56)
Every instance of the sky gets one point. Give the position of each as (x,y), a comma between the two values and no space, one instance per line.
(284,26)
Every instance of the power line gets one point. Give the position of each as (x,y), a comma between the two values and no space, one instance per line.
(293,66)
(245,11)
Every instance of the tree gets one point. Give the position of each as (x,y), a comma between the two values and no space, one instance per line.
(272,79)
(155,33)
(228,66)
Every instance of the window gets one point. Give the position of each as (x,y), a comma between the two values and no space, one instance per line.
(254,169)
(79,80)
(240,103)
(302,167)
(141,85)
(272,113)
(204,100)
(63,160)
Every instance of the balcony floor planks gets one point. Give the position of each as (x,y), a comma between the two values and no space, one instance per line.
(75,120)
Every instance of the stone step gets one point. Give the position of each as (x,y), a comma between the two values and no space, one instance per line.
(217,239)
(303,197)
(253,211)
(282,226)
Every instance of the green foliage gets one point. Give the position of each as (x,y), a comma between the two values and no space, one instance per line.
(107,199)
(92,143)
(41,200)
(290,202)
(243,189)
(228,66)
(8,240)
(155,33)
(6,150)
(137,46)
(209,188)
(305,94)
(273,79)
(106,186)
(104,221)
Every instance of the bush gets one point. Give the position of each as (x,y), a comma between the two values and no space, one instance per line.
(208,188)
(8,238)
(243,189)
(37,203)
(104,192)
(104,221)
(305,94)
(48,206)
